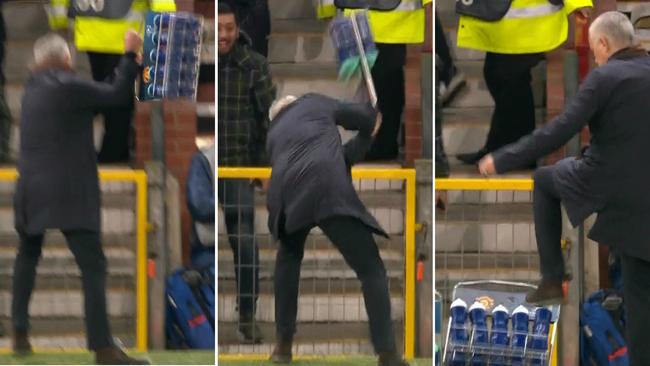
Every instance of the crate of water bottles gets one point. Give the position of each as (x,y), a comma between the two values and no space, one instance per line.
(172,56)
(490,323)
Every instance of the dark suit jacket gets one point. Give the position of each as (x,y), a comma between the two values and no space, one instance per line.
(58,185)
(613,176)
(311,178)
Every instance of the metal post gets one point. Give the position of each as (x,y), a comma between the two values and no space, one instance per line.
(427,108)
(157,251)
(424,245)
(570,318)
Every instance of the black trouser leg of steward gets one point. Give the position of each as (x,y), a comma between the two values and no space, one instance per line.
(237,197)
(88,253)
(508,78)
(355,242)
(388,76)
(286,283)
(117,120)
(636,292)
(547,210)
(443,51)
(29,253)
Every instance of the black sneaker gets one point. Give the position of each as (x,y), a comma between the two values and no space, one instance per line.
(472,158)
(249,332)
(547,293)
(391,359)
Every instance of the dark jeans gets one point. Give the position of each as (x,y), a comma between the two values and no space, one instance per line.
(258,27)
(388,75)
(442,162)
(87,249)
(636,295)
(355,242)
(508,80)
(547,210)
(237,199)
(117,120)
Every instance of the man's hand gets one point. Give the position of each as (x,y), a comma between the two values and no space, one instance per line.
(584,12)
(377,125)
(132,42)
(486,166)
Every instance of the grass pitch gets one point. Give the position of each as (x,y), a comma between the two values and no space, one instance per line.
(156,358)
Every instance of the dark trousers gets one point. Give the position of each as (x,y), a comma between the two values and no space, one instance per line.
(388,76)
(237,199)
(117,120)
(258,27)
(443,51)
(5,113)
(636,295)
(508,80)
(547,210)
(87,249)
(355,242)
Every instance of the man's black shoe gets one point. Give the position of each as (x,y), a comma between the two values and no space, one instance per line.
(21,345)
(391,359)
(472,158)
(547,293)
(282,352)
(249,332)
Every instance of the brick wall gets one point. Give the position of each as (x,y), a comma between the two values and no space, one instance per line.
(180,121)
(413,107)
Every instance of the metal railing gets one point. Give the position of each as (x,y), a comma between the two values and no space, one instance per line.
(139,180)
(486,232)
(361,175)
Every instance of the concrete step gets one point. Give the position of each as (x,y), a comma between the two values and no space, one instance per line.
(55,240)
(291,9)
(25,20)
(301,47)
(61,261)
(500,237)
(315,241)
(316,264)
(314,286)
(485,213)
(119,221)
(300,78)
(50,280)
(52,304)
(466,129)
(313,338)
(476,93)
(331,308)
(69,333)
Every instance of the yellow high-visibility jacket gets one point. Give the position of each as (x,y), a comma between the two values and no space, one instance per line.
(404,24)
(529,26)
(101,34)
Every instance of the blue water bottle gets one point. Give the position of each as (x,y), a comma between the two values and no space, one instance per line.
(520,320)
(458,332)
(499,337)
(541,327)
(478,316)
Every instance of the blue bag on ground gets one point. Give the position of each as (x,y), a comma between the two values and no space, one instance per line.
(190,309)
(601,339)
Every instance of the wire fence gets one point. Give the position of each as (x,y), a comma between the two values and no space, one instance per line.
(331,316)
(56,307)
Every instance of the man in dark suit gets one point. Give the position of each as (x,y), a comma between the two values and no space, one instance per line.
(58,187)
(311,186)
(611,177)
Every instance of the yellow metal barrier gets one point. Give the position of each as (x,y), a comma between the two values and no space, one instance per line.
(407,175)
(487,184)
(139,178)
